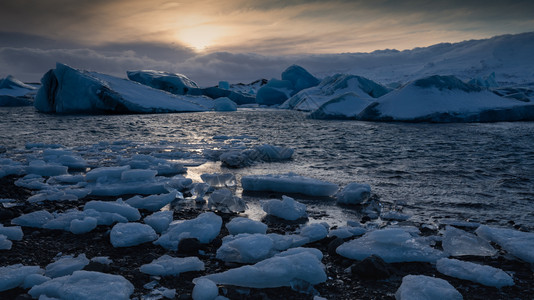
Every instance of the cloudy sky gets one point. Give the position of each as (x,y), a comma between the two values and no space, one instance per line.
(235,36)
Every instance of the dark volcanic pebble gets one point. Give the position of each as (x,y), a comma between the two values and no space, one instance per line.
(373,267)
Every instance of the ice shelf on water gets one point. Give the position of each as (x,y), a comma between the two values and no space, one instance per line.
(172,266)
(423,287)
(519,244)
(285,269)
(485,275)
(76,286)
(391,244)
(205,228)
(288,183)
(457,242)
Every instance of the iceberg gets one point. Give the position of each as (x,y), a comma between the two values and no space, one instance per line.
(224,104)
(118,207)
(5,244)
(67,90)
(34,219)
(173,83)
(219,180)
(519,244)
(333,87)
(85,285)
(445,99)
(423,287)
(392,245)
(344,107)
(294,79)
(485,275)
(289,183)
(13,233)
(14,92)
(172,266)
(285,269)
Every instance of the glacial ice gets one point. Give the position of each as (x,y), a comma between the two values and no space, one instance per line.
(343,107)
(457,242)
(205,289)
(173,83)
(245,248)
(347,231)
(85,285)
(354,193)
(13,92)
(219,180)
(519,244)
(294,79)
(423,287)
(224,104)
(80,226)
(288,183)
(445,99)
(5,243)
(172,266)
(131,234)
(119,207)
(34,219)
(152,202)
(277,271)
(13,276)
(66,265)
(13,233)
(267,153)
(42,168)
(287,208)
(245,225)
(224,200)
(485,275)
(67,90)
(33,280)
(391,244)
(205,228)
(159,220)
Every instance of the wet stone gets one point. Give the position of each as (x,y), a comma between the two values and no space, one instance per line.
(373,267)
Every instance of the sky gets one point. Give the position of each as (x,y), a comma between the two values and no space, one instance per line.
(233,37)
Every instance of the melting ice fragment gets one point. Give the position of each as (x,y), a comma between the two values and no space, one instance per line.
(34,219)
(354,193)
(205,228)
(485,275)
(219,180)
(119,207)
(66,265)
(131,234)
(13,276)
(288,183)
(287,208)
(152,202)
(392,245)
(159,220)
(224,200)
(422,287)
(519,244)
(172,266)
(245,225)
(457,242)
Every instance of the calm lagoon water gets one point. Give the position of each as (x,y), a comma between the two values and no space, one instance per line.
(478,172)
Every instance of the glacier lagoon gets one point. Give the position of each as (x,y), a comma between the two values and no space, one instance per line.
(437,173)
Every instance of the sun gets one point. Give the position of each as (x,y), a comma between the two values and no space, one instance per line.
(201,37)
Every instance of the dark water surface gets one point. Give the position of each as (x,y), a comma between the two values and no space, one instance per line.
(478,172)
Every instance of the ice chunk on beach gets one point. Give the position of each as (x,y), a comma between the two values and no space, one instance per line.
(153,202)
(519,244)
(119,207)
(131,234)
(288,183)
(245,225)
(105,174)
(34,219)
(33,280)
(224,200)
(205,289)
(457,242)
(354,193)
(159,220)
(287,208)
(172,266)
(10,167)
(13,233)
(42,168)
(65,265)
(271,153)
(219,180)
(283,270)
(5,244)
(245,248)
(224,104)
(64,157)
(85,285)
(392,245)
(485,275)
(205,228)
(13,276)
(347,231)
(314,232)
(84,225)
(423,287)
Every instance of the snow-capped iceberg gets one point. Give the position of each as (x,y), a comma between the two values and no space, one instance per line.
(294,79)
(173,83)
(445,99)
(14,92)
(344,107)
(67,90)
(337,89)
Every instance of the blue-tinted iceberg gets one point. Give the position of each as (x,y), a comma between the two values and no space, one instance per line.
(14,92)
(446,99)
(173,83)
(485,275)
(67,90)
(294,79)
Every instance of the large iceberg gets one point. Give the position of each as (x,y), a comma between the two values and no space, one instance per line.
(68,90)
(294,79)
(13,92)
(345,88)
(445,99)
(173,83)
